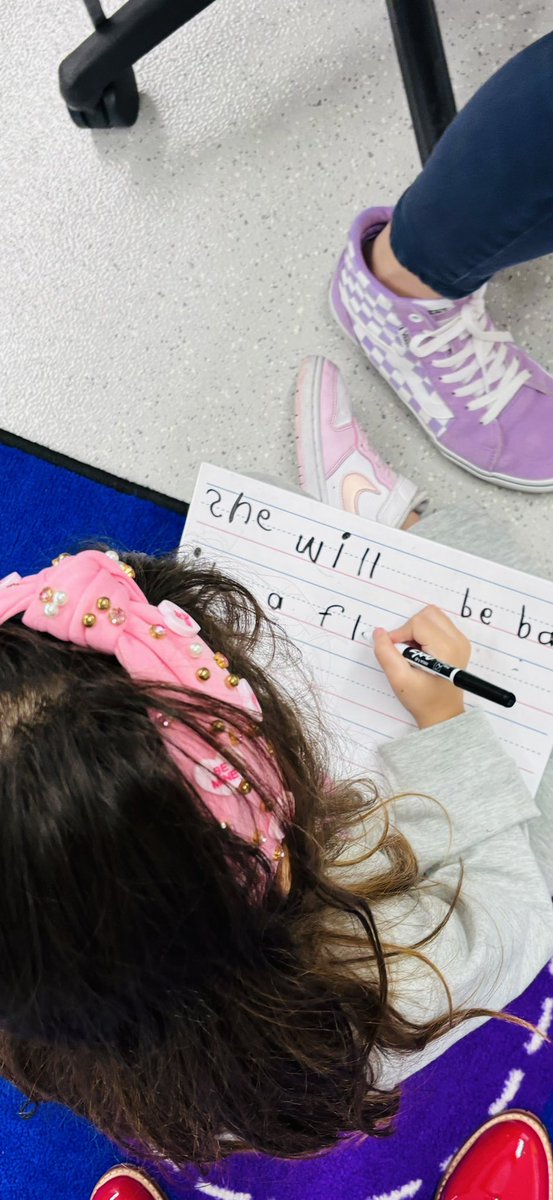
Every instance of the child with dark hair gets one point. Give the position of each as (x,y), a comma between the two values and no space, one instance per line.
(207,943)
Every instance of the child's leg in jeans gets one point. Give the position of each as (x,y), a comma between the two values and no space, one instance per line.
(471,530)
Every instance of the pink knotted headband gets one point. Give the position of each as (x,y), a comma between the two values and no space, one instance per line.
(92,599)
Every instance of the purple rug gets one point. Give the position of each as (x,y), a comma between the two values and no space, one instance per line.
(497,1067)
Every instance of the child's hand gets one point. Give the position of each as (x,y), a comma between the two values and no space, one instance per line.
(429,698)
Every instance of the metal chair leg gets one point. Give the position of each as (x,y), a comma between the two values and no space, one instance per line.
(98,85)
(423,64)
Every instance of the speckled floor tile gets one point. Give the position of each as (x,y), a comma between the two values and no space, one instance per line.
(160,285)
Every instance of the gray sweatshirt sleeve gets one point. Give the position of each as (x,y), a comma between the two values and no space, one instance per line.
(462,765)
(472,817)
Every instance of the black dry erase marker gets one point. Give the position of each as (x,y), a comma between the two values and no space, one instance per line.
(461,679)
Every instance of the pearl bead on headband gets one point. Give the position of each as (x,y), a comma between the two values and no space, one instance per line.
(92,599)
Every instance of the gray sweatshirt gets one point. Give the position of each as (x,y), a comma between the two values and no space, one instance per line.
(500,933)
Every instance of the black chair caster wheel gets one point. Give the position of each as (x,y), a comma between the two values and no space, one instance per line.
(117,107)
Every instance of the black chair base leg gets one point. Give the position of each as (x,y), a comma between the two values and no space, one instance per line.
(423,65)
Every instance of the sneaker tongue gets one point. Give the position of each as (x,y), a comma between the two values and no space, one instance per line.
(436,306)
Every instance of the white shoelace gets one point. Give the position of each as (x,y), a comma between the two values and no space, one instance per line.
(480,356)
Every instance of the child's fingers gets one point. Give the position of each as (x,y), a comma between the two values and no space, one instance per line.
(438,619)
(429,700)
(394,665)
(424,626)
(407,633)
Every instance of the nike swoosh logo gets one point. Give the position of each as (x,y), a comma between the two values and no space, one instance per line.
(352,488)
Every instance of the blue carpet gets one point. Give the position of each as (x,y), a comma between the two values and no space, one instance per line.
(47,507)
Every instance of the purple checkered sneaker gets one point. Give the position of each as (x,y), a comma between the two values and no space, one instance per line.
(480,398)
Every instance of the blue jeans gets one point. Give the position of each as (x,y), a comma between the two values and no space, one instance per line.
(484,199)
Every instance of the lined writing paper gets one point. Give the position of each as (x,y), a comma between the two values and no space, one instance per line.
(329,577)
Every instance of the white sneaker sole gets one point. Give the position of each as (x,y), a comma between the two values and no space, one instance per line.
(506,481)
(309,449)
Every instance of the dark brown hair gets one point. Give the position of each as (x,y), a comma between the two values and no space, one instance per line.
(146,983)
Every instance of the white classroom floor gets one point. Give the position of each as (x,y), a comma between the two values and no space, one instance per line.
(160,285)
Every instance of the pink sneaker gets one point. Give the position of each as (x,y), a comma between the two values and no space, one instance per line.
(336,462)
(126,1183)
(482,400)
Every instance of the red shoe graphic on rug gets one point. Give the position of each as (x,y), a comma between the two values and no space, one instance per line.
(508,1158)
(126,1183)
